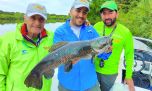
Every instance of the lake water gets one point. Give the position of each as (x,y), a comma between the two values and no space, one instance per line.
(11,27)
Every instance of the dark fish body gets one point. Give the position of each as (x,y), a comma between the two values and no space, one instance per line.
(65,53)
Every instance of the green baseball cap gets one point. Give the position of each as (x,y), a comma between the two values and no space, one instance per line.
(109,5)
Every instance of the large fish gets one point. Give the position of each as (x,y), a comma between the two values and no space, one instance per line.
(65,53)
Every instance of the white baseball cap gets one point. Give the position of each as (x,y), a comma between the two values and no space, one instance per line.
(35,8)
(81,3)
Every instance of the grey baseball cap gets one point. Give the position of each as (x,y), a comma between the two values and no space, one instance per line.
(34,8)
(81,3)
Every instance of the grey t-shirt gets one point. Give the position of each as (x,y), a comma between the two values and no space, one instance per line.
(76,30)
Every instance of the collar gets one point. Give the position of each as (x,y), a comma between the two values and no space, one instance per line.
(24,33)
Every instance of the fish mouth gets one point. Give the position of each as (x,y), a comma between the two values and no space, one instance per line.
(102,46)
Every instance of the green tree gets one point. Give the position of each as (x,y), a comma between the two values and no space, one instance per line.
(135,14)
(94,14)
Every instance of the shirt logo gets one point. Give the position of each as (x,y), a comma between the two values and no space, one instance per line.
(38,7)
(89,30)
(116,40)
(24,51)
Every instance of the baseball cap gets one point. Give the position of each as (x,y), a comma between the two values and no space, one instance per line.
(35,8)
(109,5)
(81,3)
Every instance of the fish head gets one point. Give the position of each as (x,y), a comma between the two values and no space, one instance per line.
(102,44)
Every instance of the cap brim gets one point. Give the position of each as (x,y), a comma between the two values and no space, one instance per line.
(101,9)
(31,14)
(107,8)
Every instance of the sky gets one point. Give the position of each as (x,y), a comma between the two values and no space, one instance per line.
(60,7)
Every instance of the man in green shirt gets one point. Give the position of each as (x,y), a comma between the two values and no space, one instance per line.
(107,64)
(22,49)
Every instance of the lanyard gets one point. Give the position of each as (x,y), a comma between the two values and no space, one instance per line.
(111,31)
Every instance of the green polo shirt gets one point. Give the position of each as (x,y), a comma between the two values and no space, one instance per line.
(122,39)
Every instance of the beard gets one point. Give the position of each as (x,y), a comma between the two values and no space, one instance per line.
(111,23)
(77,21)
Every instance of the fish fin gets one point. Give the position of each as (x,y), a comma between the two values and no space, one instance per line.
(68,66)
(49,74)
(57,45)
(34,79)
(93,56)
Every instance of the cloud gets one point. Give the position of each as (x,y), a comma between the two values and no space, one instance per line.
(52,6)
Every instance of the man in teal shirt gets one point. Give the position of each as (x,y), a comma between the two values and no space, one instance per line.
(107,68)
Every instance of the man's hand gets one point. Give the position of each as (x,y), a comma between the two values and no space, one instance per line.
(87,23)
(130,84)
(109,49)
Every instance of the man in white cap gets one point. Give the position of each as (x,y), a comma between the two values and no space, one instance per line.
(82,76)
(23,49)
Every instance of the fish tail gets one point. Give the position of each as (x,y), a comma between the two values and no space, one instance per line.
(34,79)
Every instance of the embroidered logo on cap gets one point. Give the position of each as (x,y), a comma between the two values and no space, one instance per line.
(24,51)
(38,7)
(83,1)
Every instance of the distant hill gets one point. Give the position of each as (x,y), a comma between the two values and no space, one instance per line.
(15,17)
